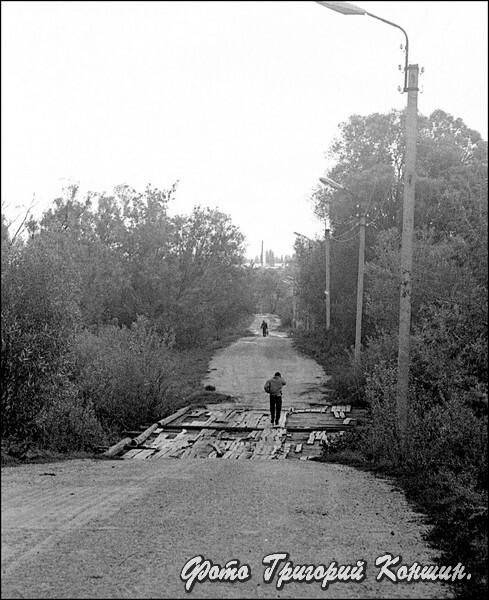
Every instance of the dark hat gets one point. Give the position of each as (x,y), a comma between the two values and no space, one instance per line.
(277,374)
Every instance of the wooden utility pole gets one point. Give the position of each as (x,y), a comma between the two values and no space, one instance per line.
(361,270)
(328,278)
(407,249)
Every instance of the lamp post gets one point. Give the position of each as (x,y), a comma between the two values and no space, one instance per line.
(361,266)
(411,87)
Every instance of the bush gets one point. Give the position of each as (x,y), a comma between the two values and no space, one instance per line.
(68,423)
(38,317)
(125,372)
(443,466)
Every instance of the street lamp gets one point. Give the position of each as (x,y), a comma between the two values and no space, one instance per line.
(361,266)
(411,87)
(347,8)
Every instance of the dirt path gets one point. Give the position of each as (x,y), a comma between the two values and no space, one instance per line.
(125,529)
(242,369)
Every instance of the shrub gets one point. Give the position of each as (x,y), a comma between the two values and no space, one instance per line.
(68,423)
(38,317)
(125,372)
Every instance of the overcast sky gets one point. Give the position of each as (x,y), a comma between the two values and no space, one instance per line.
(239,101)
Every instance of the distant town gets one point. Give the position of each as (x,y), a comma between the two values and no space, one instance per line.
(268,259)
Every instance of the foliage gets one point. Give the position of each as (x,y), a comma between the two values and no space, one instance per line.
(124,372)
(100,299)
(39,315)
(67,423)
(443,465)
(273,291)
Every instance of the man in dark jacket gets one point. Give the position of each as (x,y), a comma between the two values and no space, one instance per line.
(274,388)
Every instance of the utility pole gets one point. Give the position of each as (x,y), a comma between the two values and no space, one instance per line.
(361,269)
(328,278)
(361,264)
(407,249)
(261,255)
(411,87)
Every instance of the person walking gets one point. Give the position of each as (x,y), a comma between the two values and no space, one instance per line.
(274,387)
(264,328)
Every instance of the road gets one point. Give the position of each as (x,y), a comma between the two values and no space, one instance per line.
(242,369)
(124,529)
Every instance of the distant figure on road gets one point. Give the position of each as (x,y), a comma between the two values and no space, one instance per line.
(274,388)
(264,328)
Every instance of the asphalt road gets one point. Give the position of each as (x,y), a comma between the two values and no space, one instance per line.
(125,529)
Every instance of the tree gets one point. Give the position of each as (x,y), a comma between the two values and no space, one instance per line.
(101,265)
(451,194)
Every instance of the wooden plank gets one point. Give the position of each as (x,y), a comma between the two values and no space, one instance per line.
(162,437)
(194,424)
(239,419)
(239,428)
(165,451)
(177,443)
(131,453)
(230,450)
(143,454)
(217,450)
(164,422)
(117,448)
(188,452)
(298,448)
(286,450)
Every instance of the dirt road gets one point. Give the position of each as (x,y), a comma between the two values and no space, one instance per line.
(242,369)
(122,529)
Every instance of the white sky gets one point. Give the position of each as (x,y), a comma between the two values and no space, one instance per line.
(237,100)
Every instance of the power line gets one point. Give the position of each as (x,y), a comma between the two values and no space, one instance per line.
(346,240)
(347,231)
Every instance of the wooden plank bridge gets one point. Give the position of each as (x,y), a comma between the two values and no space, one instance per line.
(237,432)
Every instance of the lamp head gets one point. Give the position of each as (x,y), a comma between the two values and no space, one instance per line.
(345,8)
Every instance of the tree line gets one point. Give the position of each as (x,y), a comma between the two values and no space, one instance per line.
(445,459)
(106,301)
